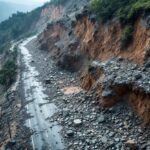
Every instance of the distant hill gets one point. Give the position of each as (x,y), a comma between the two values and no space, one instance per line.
(7,9)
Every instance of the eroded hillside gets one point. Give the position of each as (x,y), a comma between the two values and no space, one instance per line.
(79,38)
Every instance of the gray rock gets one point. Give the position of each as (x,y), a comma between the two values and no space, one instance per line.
(147,65)
(107,93)
(111,134)
(101,119)
(70,133)
(138,76)
(117,139)
(104,139)
(94,141)
(77,122)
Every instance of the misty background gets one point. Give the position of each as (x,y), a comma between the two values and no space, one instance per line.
(8,7)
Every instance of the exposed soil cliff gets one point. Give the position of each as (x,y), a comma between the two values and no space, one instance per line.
(102,41)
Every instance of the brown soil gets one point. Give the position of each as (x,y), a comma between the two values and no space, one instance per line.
(103,41)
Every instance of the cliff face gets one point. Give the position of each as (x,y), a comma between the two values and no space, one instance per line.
(102,41)
(75,41)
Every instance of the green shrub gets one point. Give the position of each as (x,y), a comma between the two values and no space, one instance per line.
(127,36)
(8,73)
(125,10)
(58,2)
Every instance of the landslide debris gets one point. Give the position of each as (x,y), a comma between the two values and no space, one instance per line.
(77,39)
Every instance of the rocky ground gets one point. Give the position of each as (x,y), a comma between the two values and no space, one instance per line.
(14,134)
(85,125)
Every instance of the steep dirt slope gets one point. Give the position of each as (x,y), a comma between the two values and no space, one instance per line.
(102,41)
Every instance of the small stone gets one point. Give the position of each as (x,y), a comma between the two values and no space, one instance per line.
(70,133)
(111,144)
(77,122)
(107,93)
(101,119)
(138,76)
(131,144)
(111,134)
(18,106)
(104,139)
(117,139)
(47,81)
(94,141)
(120,58)
(147,65)
(87,141)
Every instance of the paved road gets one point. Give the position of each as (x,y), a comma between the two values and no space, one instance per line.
(44,138)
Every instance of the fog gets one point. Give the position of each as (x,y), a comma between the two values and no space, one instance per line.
(8,7)
(26,2)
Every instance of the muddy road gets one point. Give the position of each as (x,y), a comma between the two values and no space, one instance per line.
(46,136)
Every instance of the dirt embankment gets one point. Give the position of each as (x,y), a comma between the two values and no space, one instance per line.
(102,41)
(75,41)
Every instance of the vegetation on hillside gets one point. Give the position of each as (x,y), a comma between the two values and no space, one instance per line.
(9,68)
(58,2)
(125,10)
(18,25)
(4,48)
(8,73)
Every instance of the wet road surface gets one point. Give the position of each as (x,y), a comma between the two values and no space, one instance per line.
(45,136)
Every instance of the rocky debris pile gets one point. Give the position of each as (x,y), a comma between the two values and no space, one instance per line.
(124,73)
(13,133)
(120,80)
(85,124)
